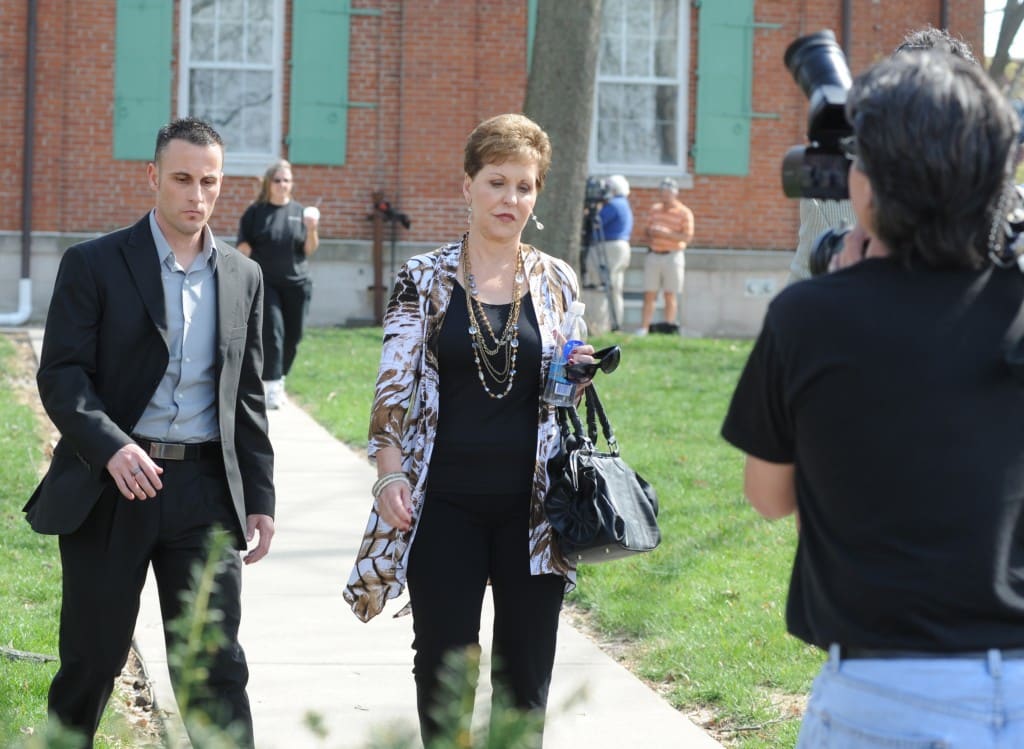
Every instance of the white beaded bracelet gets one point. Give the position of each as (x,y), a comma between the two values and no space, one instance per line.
(386,480)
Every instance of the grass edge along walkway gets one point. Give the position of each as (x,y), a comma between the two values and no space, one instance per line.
(30,568)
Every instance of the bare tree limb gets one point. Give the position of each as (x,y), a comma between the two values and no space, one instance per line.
(1013,17)
(20,655)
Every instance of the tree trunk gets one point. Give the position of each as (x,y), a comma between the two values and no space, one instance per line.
(560,98)
(1013,16)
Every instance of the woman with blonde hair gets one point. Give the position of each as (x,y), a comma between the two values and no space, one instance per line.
(280,235)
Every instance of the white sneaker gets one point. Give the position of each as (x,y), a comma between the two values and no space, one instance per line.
(641,331)
(274,391)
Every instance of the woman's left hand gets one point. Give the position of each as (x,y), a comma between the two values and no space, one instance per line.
(582,355)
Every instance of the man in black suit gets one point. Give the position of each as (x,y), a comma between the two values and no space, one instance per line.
(150,369)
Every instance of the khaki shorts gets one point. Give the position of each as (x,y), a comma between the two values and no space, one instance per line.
(664,271)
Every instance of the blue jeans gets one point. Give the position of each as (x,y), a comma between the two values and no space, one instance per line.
(940,703)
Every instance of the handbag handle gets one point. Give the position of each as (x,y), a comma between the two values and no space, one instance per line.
(569,418)
(595,413)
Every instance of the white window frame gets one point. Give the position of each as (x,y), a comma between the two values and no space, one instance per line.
(646,175)
(238,163)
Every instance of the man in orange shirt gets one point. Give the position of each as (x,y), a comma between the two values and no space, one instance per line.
(669,230)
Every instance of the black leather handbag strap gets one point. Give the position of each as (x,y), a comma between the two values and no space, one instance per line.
(569,419)
(595,413)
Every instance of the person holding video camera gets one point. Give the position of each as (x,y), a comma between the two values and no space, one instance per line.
(610,236)
(882,405)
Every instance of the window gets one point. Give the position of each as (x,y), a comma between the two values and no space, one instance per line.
(640,110)
(230,75)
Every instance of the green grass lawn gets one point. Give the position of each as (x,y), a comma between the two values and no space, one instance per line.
(30,571)
(704,612)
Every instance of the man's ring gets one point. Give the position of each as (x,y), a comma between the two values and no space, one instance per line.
(137,470)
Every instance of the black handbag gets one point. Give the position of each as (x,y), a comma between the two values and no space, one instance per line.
(599,507)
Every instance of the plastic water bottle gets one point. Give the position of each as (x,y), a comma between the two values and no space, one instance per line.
(559,391)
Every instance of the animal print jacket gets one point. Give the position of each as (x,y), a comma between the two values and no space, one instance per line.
(405,407)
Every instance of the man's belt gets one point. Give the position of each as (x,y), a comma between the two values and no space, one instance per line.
(180,450)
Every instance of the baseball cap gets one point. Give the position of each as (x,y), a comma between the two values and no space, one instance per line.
(669,184)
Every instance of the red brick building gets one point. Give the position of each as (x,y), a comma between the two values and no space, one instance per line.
(379,95)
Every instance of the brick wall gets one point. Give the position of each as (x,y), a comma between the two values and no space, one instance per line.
(433,68)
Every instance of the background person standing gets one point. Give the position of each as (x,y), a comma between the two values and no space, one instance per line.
(280,235)
(669,230)
(150,369)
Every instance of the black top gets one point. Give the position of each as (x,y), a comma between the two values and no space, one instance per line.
(889,390)
(485,445)
(277,237)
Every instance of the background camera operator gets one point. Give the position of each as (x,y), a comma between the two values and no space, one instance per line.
(609,246)
(883,404)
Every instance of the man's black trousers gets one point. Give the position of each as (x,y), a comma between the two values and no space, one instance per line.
(104,567)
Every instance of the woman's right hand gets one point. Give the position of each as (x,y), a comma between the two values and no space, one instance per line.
(394,505)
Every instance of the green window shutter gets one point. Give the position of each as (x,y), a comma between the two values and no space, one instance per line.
(319,84)
(142,75)
(531,31)
(724,74)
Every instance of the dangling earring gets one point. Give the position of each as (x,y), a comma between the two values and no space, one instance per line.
(536,221)
(469,214)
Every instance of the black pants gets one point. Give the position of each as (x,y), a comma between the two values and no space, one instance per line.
(284,316)
(461,542)
(104,567)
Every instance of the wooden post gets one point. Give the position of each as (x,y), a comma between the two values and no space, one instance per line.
(378,259)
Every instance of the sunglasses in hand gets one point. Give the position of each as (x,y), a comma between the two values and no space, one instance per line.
(607,360)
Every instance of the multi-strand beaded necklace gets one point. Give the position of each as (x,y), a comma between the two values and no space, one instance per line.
(497,358)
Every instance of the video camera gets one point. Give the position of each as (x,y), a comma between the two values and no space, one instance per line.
(597,192)
(819,169)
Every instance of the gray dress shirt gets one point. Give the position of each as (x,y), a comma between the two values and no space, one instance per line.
(184,406)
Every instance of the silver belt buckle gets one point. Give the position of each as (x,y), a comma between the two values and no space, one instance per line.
(166,451)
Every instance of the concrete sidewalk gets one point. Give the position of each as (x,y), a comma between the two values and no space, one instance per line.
(308,653)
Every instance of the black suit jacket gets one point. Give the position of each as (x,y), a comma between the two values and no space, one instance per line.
(104,354)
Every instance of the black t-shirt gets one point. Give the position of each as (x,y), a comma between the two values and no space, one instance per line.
(889,390)
(485,445)
(277,237)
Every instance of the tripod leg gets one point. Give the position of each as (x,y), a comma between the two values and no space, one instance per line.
(606,281)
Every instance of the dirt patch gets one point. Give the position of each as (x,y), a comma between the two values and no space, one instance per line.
(22,377)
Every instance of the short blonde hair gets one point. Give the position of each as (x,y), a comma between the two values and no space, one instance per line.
(508,137)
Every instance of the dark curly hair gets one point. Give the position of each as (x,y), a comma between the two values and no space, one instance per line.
(936,140)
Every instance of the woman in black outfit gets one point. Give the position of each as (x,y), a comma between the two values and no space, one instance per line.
(280,235)
(461,437)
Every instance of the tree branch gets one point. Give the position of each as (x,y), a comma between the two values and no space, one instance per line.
(20,655)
